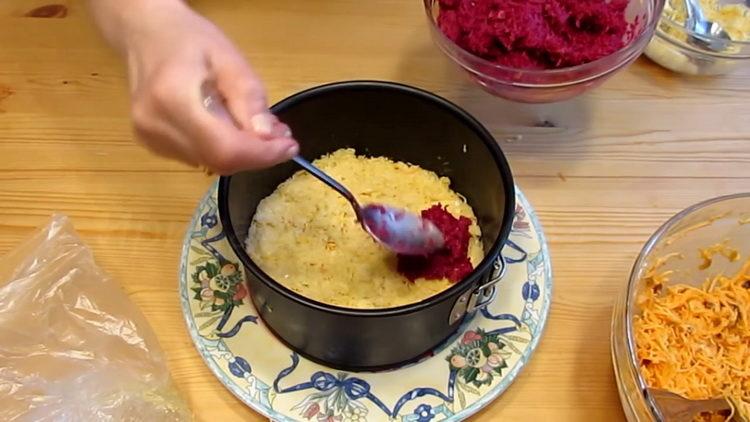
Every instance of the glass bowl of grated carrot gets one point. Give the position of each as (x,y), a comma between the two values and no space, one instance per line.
(683,323)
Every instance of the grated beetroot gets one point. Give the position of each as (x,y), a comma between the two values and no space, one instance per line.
(452,261)
(537,34)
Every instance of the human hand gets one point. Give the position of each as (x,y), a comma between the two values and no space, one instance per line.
(172,53)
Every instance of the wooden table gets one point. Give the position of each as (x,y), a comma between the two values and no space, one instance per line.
(603,170)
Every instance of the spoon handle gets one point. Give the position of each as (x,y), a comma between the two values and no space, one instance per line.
(330,181)
(694,11)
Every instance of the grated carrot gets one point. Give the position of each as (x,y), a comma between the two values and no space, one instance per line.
(696,341)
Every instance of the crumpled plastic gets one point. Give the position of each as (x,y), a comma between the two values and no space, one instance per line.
(73,347)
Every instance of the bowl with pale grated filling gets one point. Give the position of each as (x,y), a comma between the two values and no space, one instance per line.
(683,323)
(322,284)
(679,49)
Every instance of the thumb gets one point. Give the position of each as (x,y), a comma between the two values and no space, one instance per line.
(235,148)
(256,153)
(231,149)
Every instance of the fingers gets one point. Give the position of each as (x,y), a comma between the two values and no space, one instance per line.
(226,149)
(236,132)
(221,145)
(258,139)
(154,126)
(165,141)
(242,89)
(245,96)
(268,126)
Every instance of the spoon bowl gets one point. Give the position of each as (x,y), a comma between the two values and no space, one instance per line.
(708,34)
(401,231)
(676,408)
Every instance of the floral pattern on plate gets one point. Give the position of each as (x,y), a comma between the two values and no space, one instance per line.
(459,378)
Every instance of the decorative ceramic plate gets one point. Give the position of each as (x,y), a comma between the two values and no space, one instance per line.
(458,379)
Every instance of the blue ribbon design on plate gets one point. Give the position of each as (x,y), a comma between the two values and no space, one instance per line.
(356,388)
(514,246)
(501,317)
(239,367)
(236,329)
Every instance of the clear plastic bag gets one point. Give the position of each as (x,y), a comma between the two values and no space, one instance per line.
(73,347)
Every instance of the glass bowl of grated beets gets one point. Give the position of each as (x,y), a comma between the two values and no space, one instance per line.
(542,51)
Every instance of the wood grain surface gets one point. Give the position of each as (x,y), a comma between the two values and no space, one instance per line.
(603,170)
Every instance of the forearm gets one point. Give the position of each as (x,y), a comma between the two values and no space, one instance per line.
(122,21)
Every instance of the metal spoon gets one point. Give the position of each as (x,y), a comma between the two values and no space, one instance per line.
(711,35)
(675,408)
(396,229)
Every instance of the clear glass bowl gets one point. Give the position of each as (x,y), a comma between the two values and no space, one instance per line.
(670,49)
(699,226)
(546,86)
